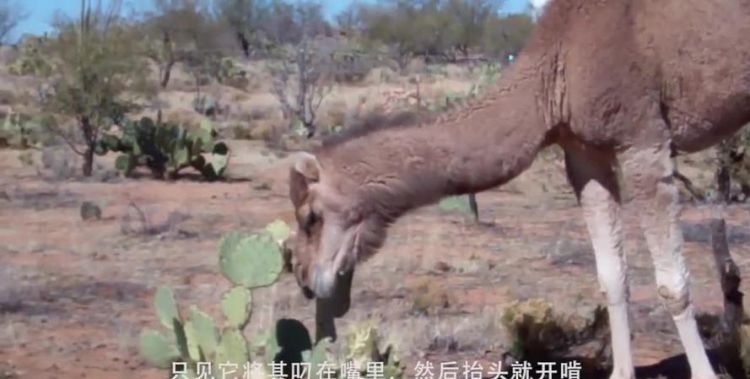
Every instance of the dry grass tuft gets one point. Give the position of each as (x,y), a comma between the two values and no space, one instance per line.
(430,296)
(539,332)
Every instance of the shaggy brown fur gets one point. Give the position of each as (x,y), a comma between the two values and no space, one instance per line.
(374,122)
(610,81)
(625,74)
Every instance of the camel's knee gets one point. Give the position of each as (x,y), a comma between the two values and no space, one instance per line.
(674,292)
(675,301)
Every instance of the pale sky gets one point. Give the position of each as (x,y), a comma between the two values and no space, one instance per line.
(41,12)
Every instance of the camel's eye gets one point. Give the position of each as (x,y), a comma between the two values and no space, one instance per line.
(310,221)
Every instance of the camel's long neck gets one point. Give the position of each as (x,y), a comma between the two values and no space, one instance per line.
(401,169)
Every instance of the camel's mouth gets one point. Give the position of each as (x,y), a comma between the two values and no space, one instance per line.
(338,299)
(324,281)
(327,274)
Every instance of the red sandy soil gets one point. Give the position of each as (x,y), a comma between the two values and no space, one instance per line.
(74,295)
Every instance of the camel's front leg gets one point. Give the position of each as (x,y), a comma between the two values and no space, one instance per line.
(592,175)
(655,194)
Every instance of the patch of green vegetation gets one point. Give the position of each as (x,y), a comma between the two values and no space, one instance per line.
(166,149)
(539,332)
(23,131)
(31,60)
(251,261)
(458,204)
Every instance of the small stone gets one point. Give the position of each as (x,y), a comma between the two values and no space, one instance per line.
(442,266)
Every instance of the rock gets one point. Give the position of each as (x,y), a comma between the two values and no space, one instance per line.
(90,211)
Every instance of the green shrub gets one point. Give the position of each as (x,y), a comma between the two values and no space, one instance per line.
(166,149)
(351,66)
(22,131)
(206,105)
(31,59)
(539,332)
(228,73)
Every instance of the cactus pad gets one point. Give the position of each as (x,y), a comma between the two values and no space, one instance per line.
(125,163)
(318,356)
(156,349)
(232,348)
(279,231)
(250,261)
(205,332)
(236,305)
(191,342)
(166,307)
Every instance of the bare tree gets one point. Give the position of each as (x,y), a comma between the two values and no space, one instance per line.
(243,17)
(467,22)
(178,31)
(300,100)
(11,14)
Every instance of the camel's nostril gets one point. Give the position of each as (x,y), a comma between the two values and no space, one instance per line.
(309,294)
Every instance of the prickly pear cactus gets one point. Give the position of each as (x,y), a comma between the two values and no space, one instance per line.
(157,349)
(206,335)
(319,355)
(363,346)
(248,260)
(126,163)
(279,231)
(458,204)
(167,149)
(32,60)
(232,348)
(23,131)
(236,305)
(166,307)
(217,161)
(251,261)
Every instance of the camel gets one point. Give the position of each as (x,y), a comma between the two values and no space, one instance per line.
(617,84)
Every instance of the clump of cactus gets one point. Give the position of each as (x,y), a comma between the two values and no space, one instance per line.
(206,105)
(22,131)
(227,72)
(539,332)
(249,261)
(31,59)
(363,348)
(195,343)
(166,149)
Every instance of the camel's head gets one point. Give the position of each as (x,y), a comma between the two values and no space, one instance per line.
(334,228)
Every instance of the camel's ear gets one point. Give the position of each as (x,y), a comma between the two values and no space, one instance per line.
(307,165)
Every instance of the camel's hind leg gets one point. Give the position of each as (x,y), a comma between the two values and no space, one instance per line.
(649,171)
(591,173)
